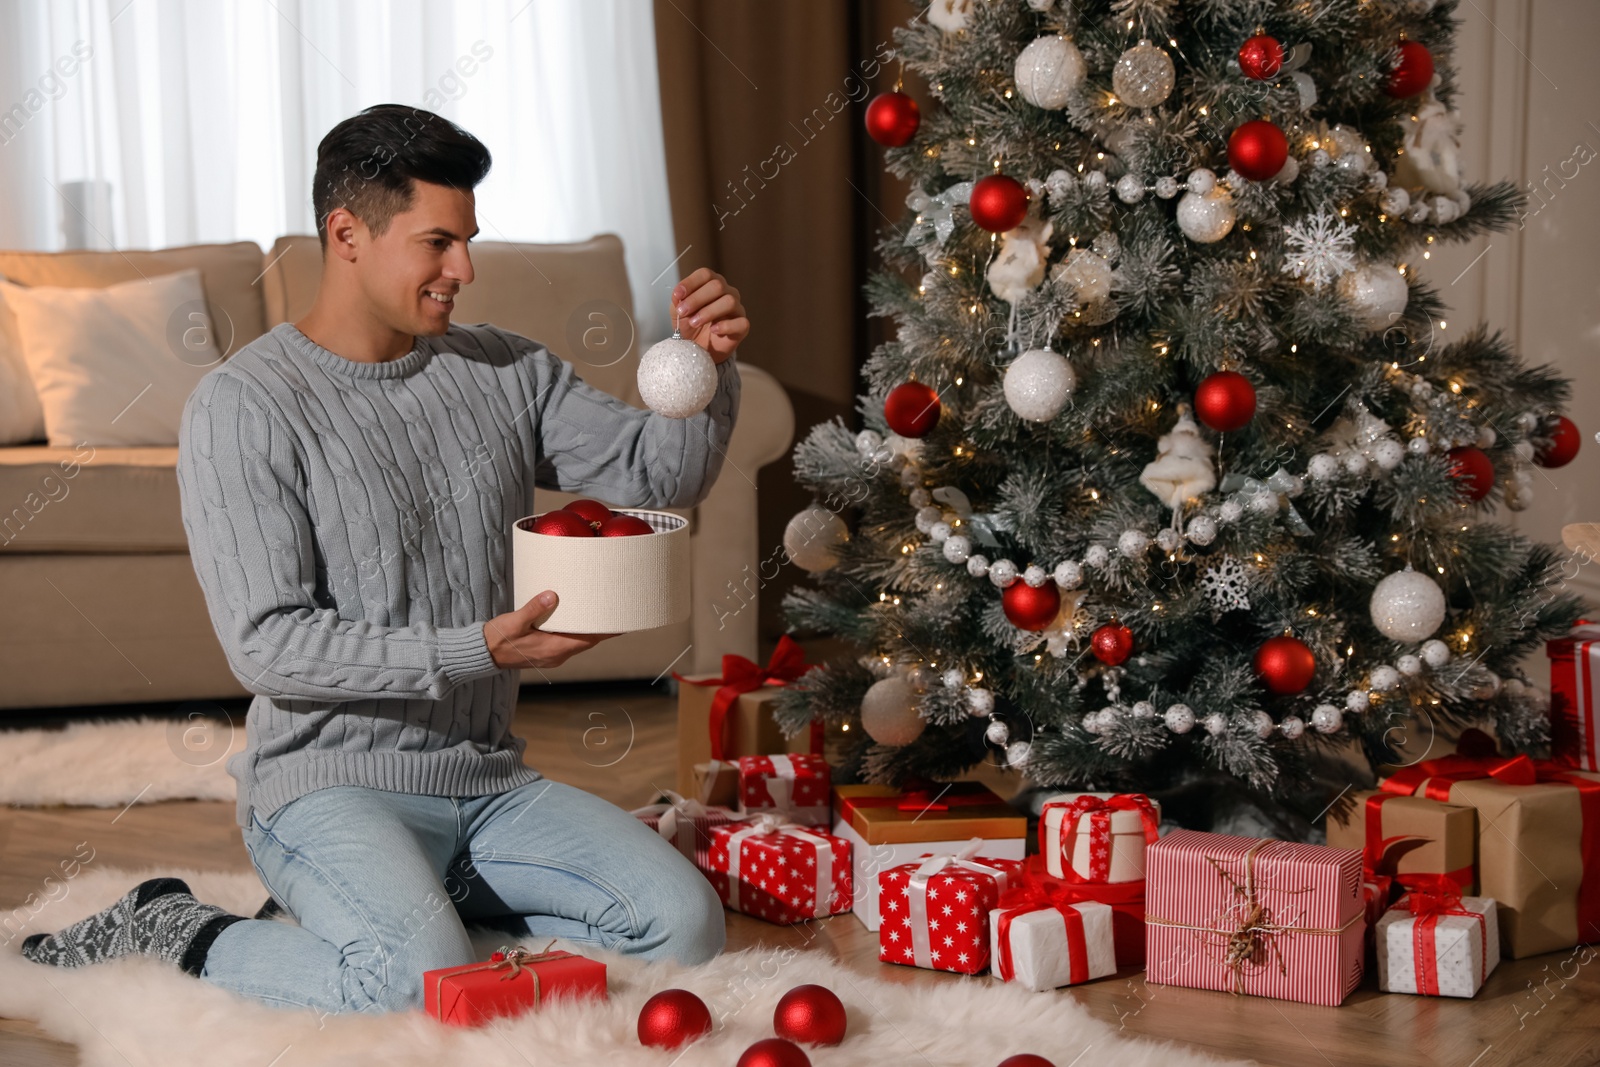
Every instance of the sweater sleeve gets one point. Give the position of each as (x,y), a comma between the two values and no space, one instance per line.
(243,497)
(590,442)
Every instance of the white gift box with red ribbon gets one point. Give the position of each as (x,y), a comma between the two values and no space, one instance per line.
(1097,837)
(776,870)
(1045,948)
(1445,953)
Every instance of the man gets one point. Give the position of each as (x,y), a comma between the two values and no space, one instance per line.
(363,596)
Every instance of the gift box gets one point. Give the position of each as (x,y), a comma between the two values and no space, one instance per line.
(514,980)
(687,823)
(716,783)
(721,716)
(1404,835)
(1574,668)
(1097,837)
(779,871)
(1044,942)
(1245,915)
(887,827)
(1538,843)
(797,787)
(606,585)
(935,912)
(1125,899)
(1439,945)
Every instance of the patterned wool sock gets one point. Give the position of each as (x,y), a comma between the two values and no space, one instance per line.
(104,935)
(180,929)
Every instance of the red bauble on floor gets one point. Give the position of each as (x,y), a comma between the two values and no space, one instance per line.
(810,1015)
(998,203)
(1257,150)
(1285,665)
(911,409)
(1031,607)
(1225,401)
(1412,73)
(673,1017)
(892,119)
(1564,442)
(774,1052)
(1260,57)
(1472,468)
(1112,643)
(1026,1059)
(562,524)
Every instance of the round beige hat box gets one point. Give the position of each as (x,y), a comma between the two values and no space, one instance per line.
(606,585)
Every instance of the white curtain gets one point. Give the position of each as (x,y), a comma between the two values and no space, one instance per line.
(156,123)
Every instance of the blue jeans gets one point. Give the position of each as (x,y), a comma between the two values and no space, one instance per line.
(383,885)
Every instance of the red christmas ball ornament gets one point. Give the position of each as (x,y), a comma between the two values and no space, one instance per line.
(1285,665)
(911,409)
(810,1015)
(774,1052)
(673,1017)
(1030,607)
(1111,643)
(624,526)
(1225,401)
(1257,150)
(998,203)
(1471,466)
(1412,73)
(1260,57)
(1564,442)
(562,524)
(892,119)
(1026,1059)
(593,512)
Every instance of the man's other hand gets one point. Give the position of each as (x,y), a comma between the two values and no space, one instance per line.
(707,310)
(515,639)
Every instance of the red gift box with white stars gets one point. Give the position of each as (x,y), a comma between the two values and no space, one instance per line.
(782,875)
(798,787)
(936,914)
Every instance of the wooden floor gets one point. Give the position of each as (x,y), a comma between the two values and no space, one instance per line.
(619,742)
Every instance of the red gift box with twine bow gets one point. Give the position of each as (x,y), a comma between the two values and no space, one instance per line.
(513,981)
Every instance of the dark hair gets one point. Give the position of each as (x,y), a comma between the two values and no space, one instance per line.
(368,162)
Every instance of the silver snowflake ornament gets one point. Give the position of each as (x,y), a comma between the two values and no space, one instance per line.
(1225,585)
(1321,248)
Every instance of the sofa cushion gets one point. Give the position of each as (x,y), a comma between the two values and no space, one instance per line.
(88,499)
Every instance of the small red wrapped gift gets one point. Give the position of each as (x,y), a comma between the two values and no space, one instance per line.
(778,871)
(935,911)
(797,787)
(513,981)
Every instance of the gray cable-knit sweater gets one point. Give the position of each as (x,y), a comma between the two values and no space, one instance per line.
(350,527)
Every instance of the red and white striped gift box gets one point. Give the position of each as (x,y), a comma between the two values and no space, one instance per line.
(1246,915)
(1574,717)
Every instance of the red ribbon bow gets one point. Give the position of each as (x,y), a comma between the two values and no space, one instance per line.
(740,675)
(1099,810)
(1035,890)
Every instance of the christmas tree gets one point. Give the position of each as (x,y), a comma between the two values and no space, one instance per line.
(1171,479)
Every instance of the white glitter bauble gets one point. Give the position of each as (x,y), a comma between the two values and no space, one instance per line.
(1133,543)
(1143,76)
(1215,724)
(980,703)
(1230,511)
(1407,606)
(939,532)
(1179,718)
(1017,754)
(1002,572)
(1143,709)
(1069,574)
(1288,172)
(889,713)
(920,497)
(1166,187)
(1047,72)
(1038,384)
(909,475)
(1090,722)
(1418,446)
(1088,273)
(1513,687)
(1167,539)
(1388,453)
(1384,678)
(957,548)
(1208,217)
(1486,437)
(1095,179)
(1409,665)
(1264,503)
(1356,464)
(1130,190)
(1034,576)
(997,733)
(1326,718)
(1201,181)
(1349,149)
(1292,727)
(1202,530)
(1357,700)
(926,517)
(1263,724)
(867,442)
(1378,292)
(1097,556)
(812,536)
(677,378)
(1394,201)
(953,679)
(1322,467)
(1488,688)
(977,564)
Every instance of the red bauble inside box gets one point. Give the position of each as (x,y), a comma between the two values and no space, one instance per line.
(592,511)
(562,524)
(624,526)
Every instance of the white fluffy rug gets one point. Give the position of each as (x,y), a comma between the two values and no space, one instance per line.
(139,1012)
(114,763)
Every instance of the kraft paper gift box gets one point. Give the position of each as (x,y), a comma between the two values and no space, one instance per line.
(1439,946)
(1097,837)
(936,910)
(779,871)
(727,715)
(1045,947)
(1246,915)
(1538,843)
(1406,836)
(887,827)
(514,980)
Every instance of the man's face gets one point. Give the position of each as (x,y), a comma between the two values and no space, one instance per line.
(423,252)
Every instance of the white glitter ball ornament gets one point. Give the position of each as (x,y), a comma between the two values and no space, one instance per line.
(1378,292)
(980,703)
(1326,718)
(889,713)
(812,537)
(1179,718)
(1292,727)
(1047,72)
(1038,384)
(1407,606)
(1143,76)
(677,377)
(1207,217)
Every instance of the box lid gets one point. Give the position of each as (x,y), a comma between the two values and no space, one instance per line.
(884,815)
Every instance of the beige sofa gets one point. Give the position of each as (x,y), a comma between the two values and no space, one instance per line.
(98,599)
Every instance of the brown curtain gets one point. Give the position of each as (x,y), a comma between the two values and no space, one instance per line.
(775,184)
